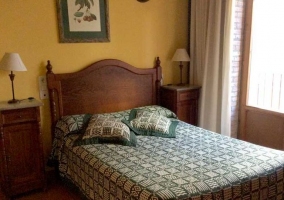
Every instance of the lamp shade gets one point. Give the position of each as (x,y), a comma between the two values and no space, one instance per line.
(181,55)
(12,62)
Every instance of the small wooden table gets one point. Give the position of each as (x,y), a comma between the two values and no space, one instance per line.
(21,152)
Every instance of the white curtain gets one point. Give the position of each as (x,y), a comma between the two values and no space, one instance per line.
(210,47)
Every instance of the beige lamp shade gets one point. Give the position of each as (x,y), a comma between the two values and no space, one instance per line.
(12,62)
(181,55)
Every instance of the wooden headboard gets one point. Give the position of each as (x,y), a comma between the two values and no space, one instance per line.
(105,86)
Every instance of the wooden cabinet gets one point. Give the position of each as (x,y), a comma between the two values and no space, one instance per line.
(21,163)
(182,100)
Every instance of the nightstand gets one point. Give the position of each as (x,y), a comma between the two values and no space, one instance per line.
(21,162)
(182,100)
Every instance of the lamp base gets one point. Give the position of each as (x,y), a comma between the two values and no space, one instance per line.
(13,101)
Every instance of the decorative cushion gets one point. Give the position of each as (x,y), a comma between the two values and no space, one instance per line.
(67,125)
(106,129)
(158,110)
(72,123)
(150,123)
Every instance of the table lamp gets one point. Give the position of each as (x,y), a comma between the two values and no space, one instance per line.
(12,62)
(181,55)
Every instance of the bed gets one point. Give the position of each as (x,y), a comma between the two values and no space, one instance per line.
(168,160)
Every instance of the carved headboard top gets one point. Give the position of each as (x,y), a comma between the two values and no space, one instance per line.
(105,86)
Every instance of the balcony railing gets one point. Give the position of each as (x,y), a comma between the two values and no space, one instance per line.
(266,91)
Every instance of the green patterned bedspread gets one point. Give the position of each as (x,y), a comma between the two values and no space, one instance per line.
(197,164)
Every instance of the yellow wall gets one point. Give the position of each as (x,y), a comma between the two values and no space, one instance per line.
(139,32)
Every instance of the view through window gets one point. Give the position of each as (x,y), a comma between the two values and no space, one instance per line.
(266,79)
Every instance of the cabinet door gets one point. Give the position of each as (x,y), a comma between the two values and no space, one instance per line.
(22,153)
(187,111)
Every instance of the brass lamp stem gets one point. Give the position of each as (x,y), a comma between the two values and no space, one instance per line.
(12,76)
(180,66)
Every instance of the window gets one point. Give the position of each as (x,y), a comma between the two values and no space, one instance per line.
(266,79)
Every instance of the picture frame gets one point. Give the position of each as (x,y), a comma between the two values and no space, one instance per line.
(83,21)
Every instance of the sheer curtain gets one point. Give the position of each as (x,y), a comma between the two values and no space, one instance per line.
(210,47)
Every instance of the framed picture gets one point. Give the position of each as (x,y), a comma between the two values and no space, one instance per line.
(83,21)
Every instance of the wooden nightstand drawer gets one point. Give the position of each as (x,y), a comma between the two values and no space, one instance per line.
(18,115)
(183,96)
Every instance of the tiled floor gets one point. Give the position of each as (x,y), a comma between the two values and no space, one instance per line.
(55,190)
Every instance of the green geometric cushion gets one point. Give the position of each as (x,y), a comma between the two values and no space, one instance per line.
(150,123)
(106,129)
(158,110)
